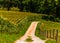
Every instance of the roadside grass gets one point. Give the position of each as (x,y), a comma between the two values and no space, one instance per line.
(37,33)
(50,41)
(7,38)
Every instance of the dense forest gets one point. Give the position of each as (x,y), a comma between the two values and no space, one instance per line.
(38,6)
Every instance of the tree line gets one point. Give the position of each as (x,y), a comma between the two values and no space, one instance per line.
(37,6)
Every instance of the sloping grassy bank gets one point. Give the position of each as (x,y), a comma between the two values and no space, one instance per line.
(10,37)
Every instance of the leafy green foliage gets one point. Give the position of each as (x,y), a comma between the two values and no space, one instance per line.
(51,18)
(38,32)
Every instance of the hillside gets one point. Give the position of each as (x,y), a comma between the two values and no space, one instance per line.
(16,23)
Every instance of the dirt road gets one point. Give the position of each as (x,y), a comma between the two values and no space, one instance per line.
(30,32)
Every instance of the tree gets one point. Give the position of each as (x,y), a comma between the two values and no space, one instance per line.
(21,5)
(53,7)
(46,7)
(32,6)
(58,11)
(7,4)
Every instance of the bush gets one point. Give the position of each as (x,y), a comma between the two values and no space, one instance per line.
(51,18)
(14,9)
(7,27)
(45,17)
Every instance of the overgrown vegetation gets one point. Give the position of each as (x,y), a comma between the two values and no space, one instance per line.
(38,32)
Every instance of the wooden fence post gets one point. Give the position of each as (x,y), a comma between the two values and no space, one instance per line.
(56,36)
(53,33)
(47,33)
(50,33)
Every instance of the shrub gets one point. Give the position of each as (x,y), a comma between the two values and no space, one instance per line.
(51,18)
(7,27)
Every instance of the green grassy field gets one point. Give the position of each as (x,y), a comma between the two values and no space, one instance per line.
(21,21)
